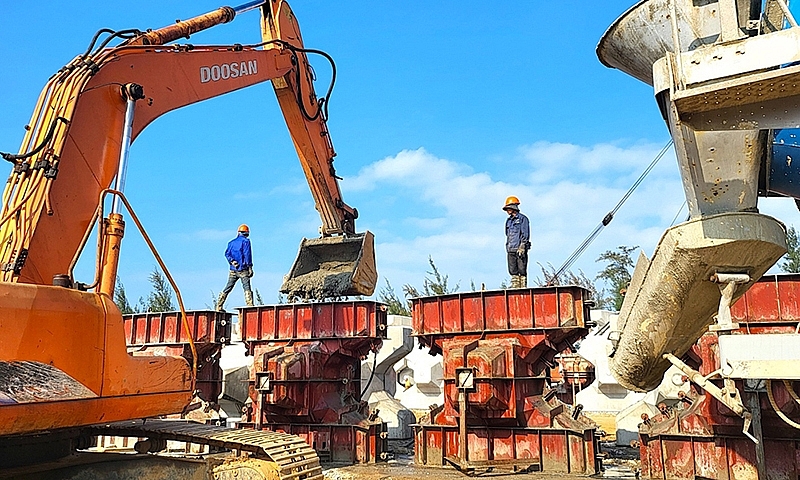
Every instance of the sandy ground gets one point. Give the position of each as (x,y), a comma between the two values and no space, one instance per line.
(403,468)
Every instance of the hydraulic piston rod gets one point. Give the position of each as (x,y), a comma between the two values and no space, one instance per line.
(114,225)
(249,6)
(131,92)
(185,28)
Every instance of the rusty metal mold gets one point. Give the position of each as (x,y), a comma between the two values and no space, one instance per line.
(306,377)
(699,436)
(500,411)
(163,333)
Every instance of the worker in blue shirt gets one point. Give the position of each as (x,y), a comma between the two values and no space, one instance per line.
(240,258)
(518,235)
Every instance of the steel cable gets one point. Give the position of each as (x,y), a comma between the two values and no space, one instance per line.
(607,219)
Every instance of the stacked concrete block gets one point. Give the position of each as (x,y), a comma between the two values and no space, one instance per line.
(398,344)
(406,372)
(605,395)
(235,365)
(398,418)
(421,379)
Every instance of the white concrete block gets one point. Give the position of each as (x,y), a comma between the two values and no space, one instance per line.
(398,418)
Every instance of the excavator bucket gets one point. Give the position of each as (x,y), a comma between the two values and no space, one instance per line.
(332,267)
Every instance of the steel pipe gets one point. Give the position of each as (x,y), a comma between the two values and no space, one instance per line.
(185,28)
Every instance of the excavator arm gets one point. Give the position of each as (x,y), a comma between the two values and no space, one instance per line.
(72,151)
(63,358)
(305,117)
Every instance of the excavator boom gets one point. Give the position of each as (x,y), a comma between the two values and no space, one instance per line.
(64,364)
(44,217)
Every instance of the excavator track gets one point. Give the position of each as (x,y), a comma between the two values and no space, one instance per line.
(296,460)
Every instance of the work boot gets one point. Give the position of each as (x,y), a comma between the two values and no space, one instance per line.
(514,281)
(248,298)
(523,281)
(221,302)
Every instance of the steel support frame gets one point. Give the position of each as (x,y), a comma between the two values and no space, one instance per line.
(549,450)
(500,411)
(311,354)
(703,438)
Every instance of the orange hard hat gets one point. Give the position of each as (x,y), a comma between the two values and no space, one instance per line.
(244,228)
(512,202)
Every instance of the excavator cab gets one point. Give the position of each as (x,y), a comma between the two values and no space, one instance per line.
(333,267)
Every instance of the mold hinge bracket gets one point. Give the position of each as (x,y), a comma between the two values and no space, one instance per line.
(729,395)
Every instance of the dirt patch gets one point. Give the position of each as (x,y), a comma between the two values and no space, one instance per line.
(403,468)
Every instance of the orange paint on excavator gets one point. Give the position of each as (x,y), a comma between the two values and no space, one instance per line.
(63,358)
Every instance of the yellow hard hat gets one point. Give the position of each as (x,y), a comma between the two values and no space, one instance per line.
(244,228)
(512,203)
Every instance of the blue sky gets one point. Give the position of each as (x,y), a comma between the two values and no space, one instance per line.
(439,112)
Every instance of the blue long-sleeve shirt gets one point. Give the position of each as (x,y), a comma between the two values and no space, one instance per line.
(239,250)
(518,232)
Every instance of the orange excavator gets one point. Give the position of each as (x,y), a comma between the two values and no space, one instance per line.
(63,359)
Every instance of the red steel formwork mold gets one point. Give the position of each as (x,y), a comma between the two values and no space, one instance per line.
(700,437)
(163,333)
(306,377)
(574,373)
(498,348)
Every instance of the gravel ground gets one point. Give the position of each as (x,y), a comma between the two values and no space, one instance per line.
(403,468)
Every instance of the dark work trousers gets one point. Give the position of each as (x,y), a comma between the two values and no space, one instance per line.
(518,264)
(233,277)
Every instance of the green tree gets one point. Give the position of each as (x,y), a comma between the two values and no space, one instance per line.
(213,304)
(791,261)
(617,272)
(121,299)
(598,295)
(396,306)
(160,297)
(434,284)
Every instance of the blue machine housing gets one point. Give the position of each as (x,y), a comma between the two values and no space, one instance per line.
(780,175)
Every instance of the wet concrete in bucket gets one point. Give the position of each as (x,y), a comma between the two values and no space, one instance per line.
(332,280)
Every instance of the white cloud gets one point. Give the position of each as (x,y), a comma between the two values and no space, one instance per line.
(555,160)
(565,190)
(294,188)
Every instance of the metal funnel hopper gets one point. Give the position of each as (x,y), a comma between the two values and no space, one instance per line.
(332,267)
(651,28)
(643,34)
(671,301)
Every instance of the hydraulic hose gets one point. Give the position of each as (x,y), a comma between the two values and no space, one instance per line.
(371,375)
(14,158)
(777,409)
